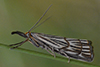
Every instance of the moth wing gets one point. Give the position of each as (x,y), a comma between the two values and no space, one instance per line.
(80,49)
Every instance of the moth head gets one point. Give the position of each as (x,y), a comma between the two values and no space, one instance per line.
(20,33)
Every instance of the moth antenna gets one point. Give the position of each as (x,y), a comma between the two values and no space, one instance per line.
(41,23)
(40,18)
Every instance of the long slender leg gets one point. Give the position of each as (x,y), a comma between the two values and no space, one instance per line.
(65,55)
(68,59)
(15,44)
(50,50)
(19,44)
(53,52)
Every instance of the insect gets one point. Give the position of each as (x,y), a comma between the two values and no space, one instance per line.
(80,49)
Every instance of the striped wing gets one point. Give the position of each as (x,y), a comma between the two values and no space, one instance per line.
(75,48)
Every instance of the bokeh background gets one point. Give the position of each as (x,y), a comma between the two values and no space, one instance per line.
(69,18)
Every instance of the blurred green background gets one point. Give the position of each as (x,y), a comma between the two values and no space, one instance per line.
(69,18)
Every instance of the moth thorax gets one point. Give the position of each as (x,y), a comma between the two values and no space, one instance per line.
(28,35)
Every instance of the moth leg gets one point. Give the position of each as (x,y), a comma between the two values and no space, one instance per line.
(17,44)
(51,51)
(62,51)
(67,57)
(48,51)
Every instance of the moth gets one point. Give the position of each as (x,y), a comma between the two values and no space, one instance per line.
(80,49)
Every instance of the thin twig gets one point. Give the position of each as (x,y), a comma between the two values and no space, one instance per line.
(85,64)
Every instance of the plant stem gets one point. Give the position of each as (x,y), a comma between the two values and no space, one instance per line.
(85,64)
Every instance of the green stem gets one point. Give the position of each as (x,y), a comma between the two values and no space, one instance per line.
(85,64)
